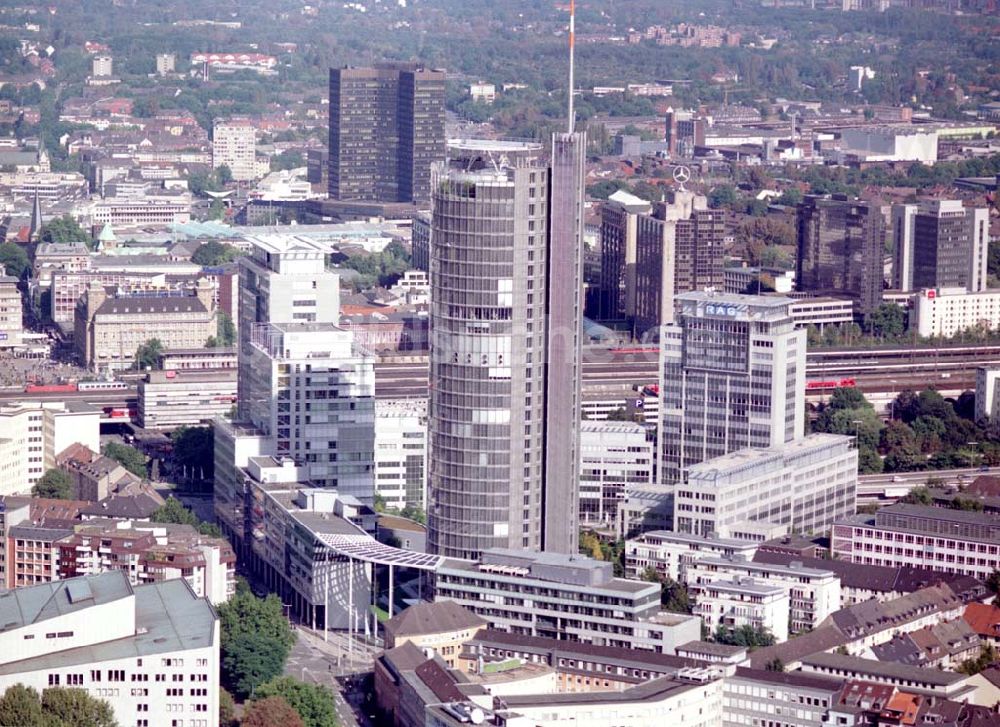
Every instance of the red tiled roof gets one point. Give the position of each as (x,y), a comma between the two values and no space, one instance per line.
(983,618)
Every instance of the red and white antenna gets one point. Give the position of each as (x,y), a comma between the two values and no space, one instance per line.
(572,40)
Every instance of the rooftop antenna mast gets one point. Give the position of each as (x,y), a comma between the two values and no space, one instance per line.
(572,40)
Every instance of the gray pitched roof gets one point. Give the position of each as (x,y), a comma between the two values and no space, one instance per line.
(432,618)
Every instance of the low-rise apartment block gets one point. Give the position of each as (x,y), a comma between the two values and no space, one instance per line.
(813,594)
(671,554)
(151,652)
(738,602)
(563,597)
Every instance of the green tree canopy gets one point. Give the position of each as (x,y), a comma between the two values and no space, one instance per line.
(271,712)
(213,253)
(21,706)
(63,229)
(886,321)
(750,637)
(54,483)
(256,640)
(848,412)
(225,330)
(14,259)
(128,457)
(147,356)
(313,703)
(194,448)
(76,707)
(173,511)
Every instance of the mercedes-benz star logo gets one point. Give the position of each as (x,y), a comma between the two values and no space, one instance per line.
(682,174)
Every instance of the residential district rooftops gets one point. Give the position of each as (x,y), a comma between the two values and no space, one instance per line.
(38,603)
(793,679)
(433,618)
(570,570)
(857,665)
(168,617)
(652,690)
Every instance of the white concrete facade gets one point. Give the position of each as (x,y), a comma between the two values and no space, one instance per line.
(401,453)
(742,602)
(813,594)
(671,554)
(119,645)
(804,485)
(943,312)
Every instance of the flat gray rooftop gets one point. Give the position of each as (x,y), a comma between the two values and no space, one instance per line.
(172,616)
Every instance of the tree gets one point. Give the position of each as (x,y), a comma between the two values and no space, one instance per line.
(173,511)
(918,496)
(224,174)
(271,712)
(128,457)
(14,259)
(255,642)
(987,655)
(76,707)
(750,637)
(227,709)
(886,321)
(214,253)
(194,449)
(724,195)
(313,703)
(775,664)
(147,356)
(288,159)
(55,484)
(225,330)
(251,661)
(63,229)
(21,706)
(590,545)
(415,513)
(848,412)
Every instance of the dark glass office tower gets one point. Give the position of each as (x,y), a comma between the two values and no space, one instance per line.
(386,131)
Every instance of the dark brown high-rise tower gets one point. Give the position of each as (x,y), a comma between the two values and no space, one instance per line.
(386,130)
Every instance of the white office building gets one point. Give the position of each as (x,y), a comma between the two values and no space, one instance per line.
(563,597)
(732,376)
(803,485)
(151,652)
(33,433)
(889,144)
(303,381)
(813,593)
(943,312)
(613,455)
(234,144)
(986,395)
(739,602)
(171,399)
(671,554)
(401,452)
(11,312)
(102,66)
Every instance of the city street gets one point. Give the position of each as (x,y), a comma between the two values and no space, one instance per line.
(329,663)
